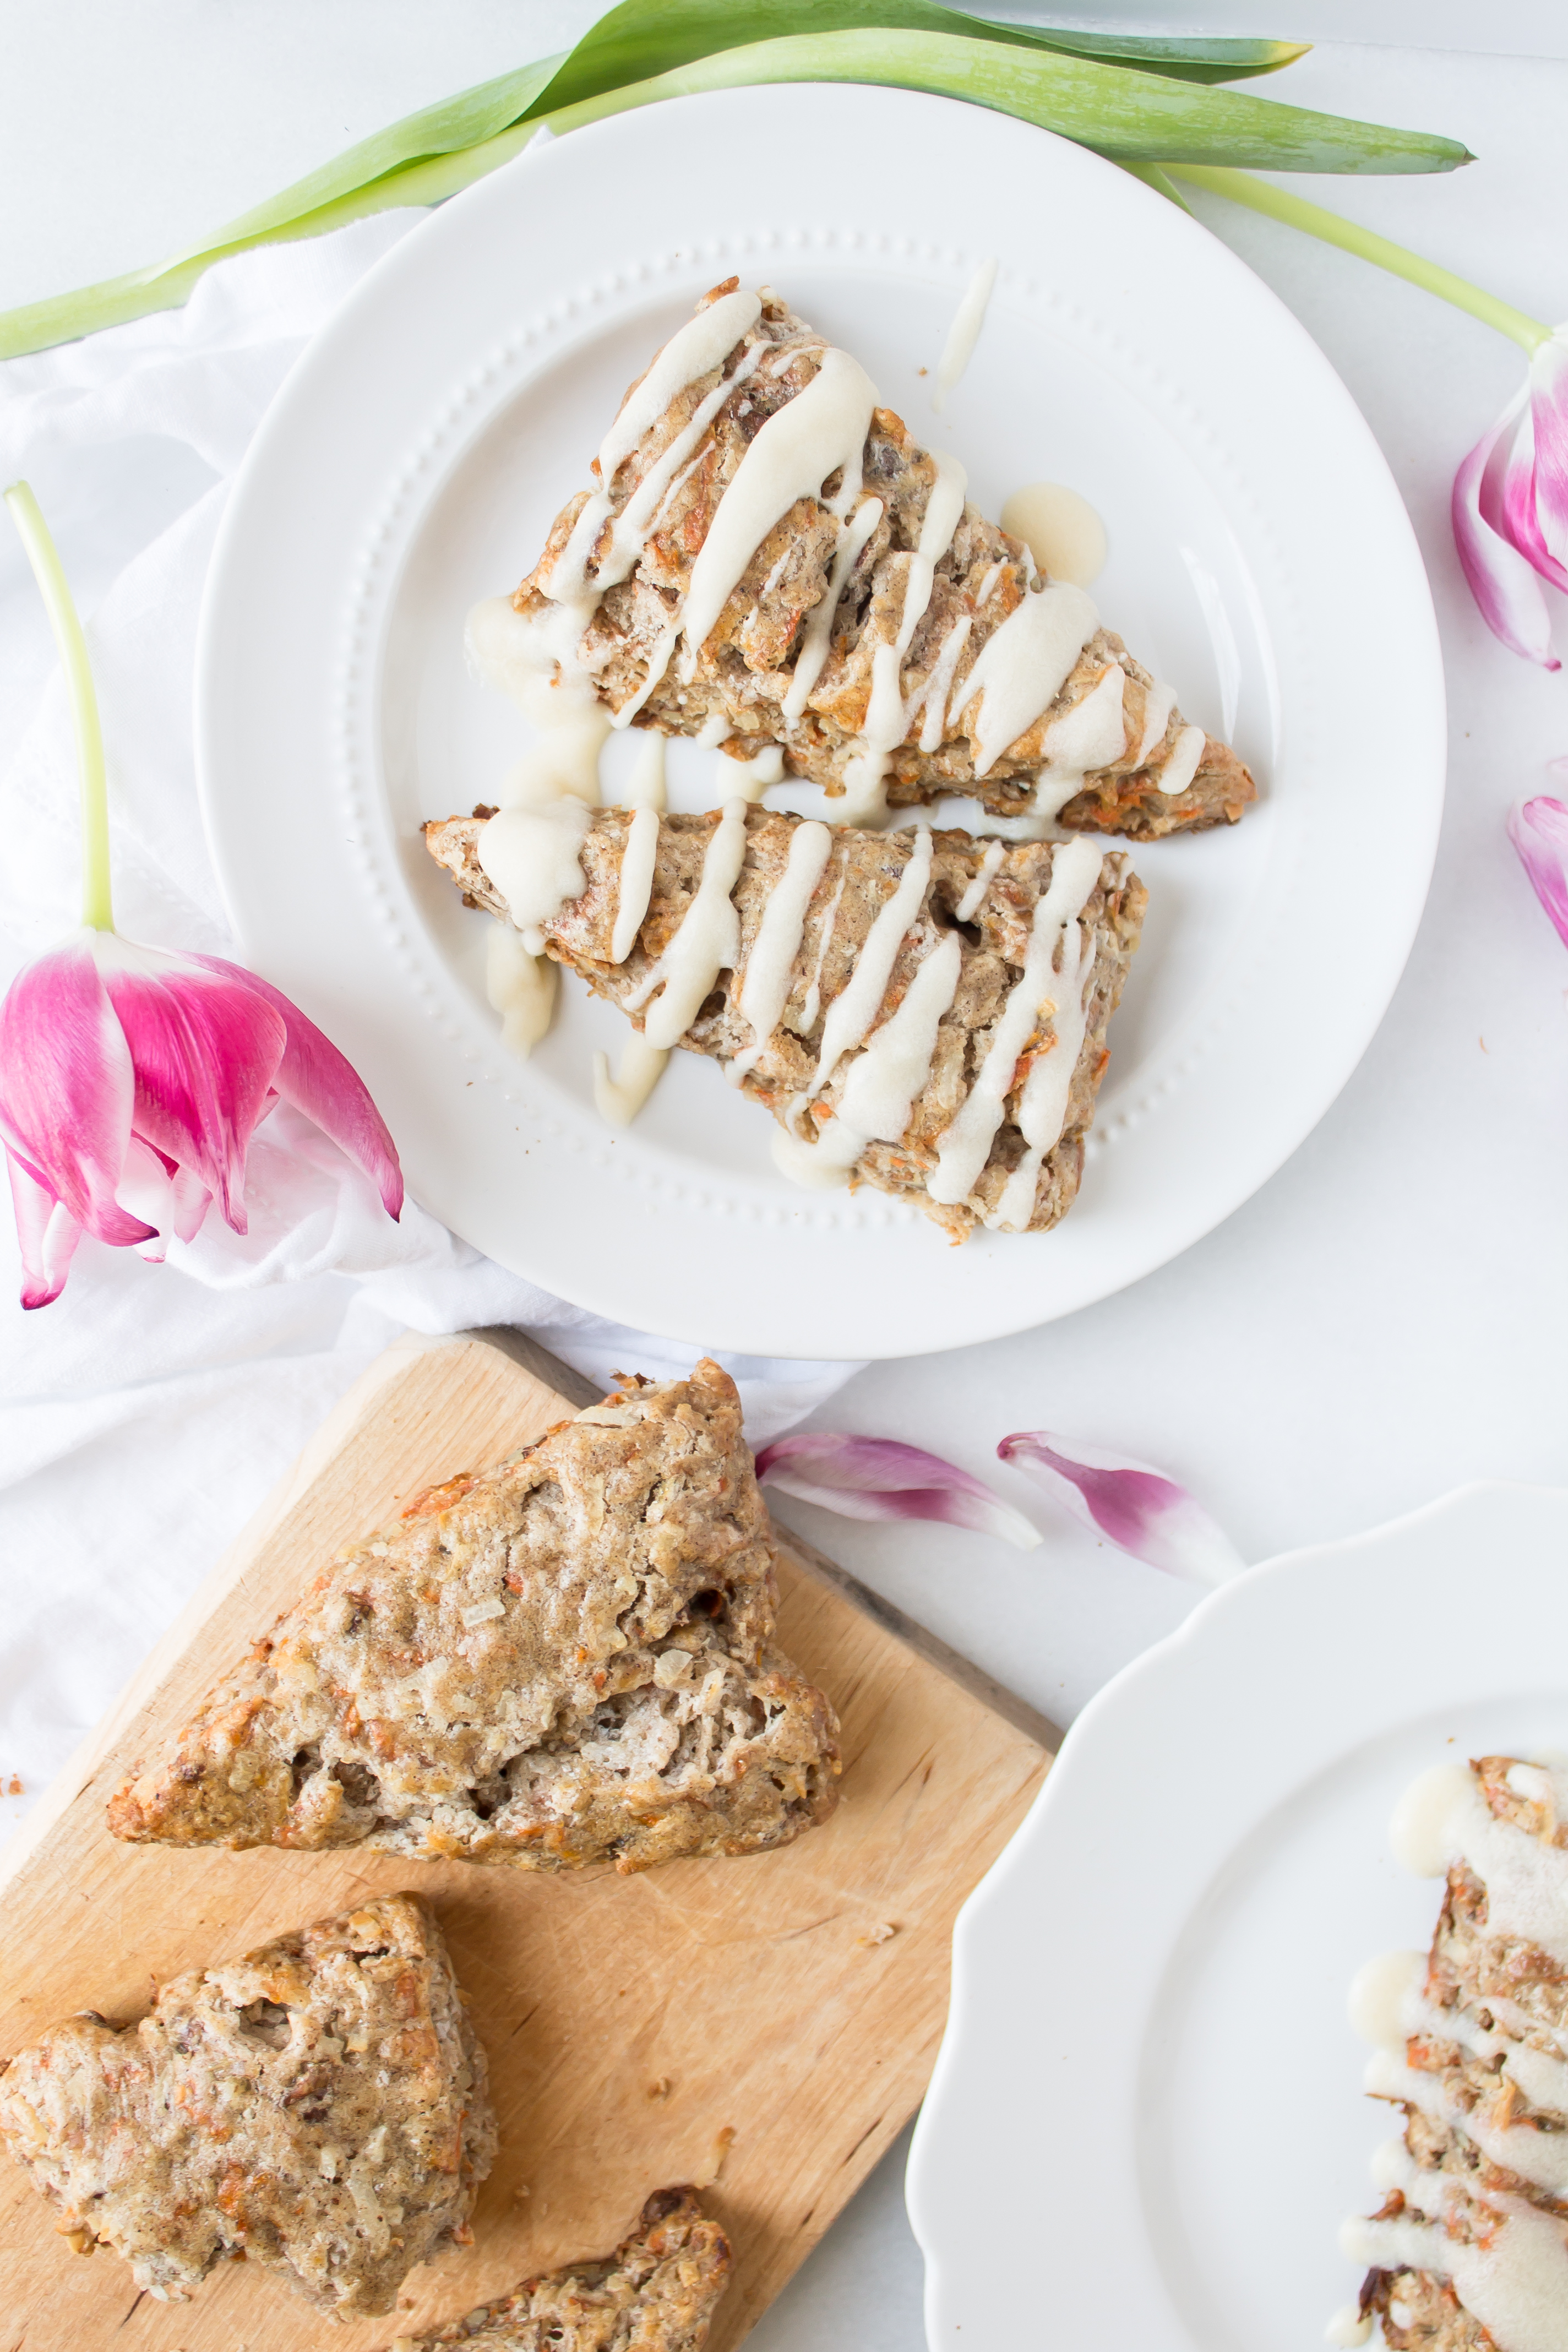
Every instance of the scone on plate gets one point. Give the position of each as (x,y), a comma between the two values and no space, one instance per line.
(919,1011)
(319,2107)
(767,555)
(566,1659)
(1469,2249)
(657,2292)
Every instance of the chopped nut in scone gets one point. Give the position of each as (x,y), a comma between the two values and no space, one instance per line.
(656,2293)
(319,2107)
(566,1659)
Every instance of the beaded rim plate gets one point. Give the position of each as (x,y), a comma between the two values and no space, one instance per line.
(412,463)
(1149,2088)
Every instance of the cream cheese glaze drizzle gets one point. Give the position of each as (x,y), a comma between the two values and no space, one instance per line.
(964,334)
(707,943)
(888,716)
(703,343)
(1022,669)
(854,1009)
(770,967)
(521,988)
(821,431)
(1043,1106)
(963,1150)
(635,884)
(1092,735)
(974,898)
(618,1099)
(884,1082)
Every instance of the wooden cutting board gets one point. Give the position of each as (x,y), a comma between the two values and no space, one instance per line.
(765,2026)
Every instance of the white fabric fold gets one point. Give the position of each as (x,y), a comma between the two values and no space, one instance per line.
(146,1413)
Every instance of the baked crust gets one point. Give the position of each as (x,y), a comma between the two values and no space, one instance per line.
(657,2292)
(860,877)
(745,667)
(319,2106)
(566,1659)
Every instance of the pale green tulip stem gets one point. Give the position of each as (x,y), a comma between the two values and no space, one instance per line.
(1263,197)
(97,907)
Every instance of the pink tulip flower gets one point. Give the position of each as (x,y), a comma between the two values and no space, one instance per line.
(132,1078)
(130,1083)
(1511,507)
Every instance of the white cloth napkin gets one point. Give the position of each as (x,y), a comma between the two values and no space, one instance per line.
(146,1413)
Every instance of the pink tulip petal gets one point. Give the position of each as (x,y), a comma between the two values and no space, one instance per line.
(1128,1504)
(1549,432)
(880,1478)
(323,1083)
(67,1087)
(47,1233)
(192,1202)
(204,1050)
(1539,831)
(1519,511)
(1501,580)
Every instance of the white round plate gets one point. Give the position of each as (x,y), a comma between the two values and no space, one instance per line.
(1147,2124)
(1261,559)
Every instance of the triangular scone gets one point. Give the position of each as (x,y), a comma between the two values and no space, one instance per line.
(566,1659)
(319,2106)
(920,1010)
(657,2292)
(769,554)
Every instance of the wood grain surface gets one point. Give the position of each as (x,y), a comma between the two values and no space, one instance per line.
(763,2026)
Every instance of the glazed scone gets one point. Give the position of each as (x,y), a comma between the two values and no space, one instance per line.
(657,2292)
(929,1016)
(319,2107)
(566,1659)
(768,555)
(1469,2251)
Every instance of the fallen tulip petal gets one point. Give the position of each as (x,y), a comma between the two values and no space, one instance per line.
(880,1478)
(1539,831)
(1128,1504)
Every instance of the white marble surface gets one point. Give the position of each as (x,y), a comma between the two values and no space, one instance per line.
(1385,1319)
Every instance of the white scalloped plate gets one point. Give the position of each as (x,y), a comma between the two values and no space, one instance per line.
(1146,2123)
(1260,558)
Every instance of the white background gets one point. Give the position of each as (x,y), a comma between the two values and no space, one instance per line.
(1387,1318)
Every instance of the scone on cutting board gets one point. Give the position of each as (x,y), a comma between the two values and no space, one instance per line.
(566,1659)
(657,2292)
(921,1011)
(767,555)
(319,2107)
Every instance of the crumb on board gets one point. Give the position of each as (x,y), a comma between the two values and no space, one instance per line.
(881,1934)
(708,2172)
(659,2089)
